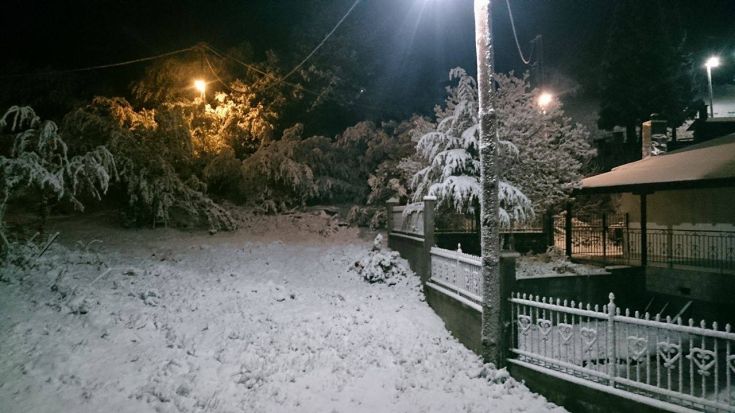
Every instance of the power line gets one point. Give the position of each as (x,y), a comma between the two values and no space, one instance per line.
(271,75)
(105,66)
(304,60)
(515,36)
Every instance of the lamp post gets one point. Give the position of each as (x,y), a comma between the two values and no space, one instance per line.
(492,318)
(713,61)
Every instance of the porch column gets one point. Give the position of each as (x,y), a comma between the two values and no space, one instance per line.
(644,230)
(568,230)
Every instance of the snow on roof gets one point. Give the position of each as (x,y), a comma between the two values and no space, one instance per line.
(712,162)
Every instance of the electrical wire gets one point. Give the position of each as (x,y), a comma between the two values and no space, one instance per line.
(105,66)
(515,36)
(331,32)
(272,76)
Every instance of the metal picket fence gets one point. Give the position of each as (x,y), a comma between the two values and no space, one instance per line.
(681,363)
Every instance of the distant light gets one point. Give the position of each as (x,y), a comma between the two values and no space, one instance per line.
(545,99)
(713,61)
(200,85)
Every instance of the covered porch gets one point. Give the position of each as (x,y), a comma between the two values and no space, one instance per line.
(673,211)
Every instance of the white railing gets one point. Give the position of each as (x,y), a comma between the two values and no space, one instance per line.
(459,272)
(688,365)
(408,218)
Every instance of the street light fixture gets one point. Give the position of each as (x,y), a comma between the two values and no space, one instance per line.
(201,86)
(544,100)
(713,61)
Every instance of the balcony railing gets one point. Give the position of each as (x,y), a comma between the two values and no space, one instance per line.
(610,239)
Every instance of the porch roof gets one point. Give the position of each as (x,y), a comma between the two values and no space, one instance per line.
(706,164)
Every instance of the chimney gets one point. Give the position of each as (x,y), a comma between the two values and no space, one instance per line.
(654,137)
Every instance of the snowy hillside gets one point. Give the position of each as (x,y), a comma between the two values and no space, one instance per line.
(265,319)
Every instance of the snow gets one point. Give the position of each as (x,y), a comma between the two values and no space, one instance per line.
(268,318)
(553,264)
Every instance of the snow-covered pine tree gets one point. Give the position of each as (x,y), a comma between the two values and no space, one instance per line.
(542,152)
(452,154)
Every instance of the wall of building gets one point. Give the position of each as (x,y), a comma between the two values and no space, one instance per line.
(690,209)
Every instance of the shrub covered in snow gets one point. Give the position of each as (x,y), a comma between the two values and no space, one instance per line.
(156,159)
(40,166)
(381,266)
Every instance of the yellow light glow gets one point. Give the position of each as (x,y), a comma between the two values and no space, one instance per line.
(200,85)
(544,99)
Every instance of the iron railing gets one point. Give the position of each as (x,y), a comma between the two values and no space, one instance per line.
(695,248)
(679,363)
(609,239)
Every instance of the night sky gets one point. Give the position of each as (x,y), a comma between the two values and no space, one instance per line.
(409,44)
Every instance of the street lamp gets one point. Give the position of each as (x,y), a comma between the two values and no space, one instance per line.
(201,86)
(713,61)
(544,99)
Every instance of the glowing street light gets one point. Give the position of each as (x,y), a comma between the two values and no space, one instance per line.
(544,99)
(201,86)
(713,61)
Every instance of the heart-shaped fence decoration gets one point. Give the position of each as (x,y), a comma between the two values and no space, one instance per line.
(637,347)
(731,362)
(669,352)
(544,327)
(565,332)
(703,358)
(589,337)
(524,322)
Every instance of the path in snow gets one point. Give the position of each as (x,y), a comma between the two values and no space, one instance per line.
(235,322)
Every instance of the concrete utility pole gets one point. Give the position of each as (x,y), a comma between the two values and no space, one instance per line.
(492,329)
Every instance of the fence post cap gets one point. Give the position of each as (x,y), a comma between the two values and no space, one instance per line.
(392,200)
(612,298)
(429,198)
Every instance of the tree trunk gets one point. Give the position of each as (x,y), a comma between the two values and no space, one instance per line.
(492,319)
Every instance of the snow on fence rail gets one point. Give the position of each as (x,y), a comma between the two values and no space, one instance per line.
(408,218)
(644,358)
(459,272)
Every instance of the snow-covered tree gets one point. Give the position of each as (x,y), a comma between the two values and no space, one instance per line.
(553,151)
(40,163)
(156,160)
(542,152)
(451,151)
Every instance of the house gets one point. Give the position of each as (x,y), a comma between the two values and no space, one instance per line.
(674,217)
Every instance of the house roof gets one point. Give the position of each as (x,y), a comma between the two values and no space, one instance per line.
(707,164)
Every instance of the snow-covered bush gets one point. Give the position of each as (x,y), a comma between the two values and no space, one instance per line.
(275,179)
(40,165)
(381,266)
(393,168)
(156,161)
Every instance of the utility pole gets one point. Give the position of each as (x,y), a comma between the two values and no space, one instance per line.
(492,319)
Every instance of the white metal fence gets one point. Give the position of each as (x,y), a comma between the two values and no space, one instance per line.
(459,272)
(688,365)
(408,218)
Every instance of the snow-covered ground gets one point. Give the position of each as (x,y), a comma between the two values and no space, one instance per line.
(264,319)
